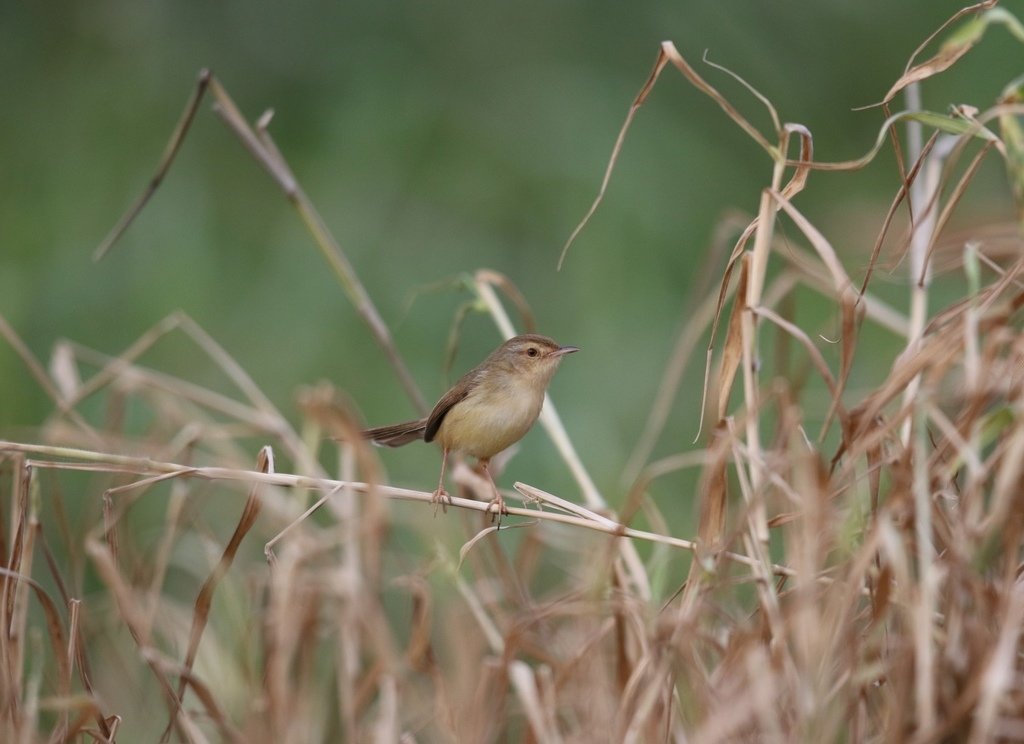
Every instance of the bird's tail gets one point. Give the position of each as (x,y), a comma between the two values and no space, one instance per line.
(396,435)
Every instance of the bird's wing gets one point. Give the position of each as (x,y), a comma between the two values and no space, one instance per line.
(453,396)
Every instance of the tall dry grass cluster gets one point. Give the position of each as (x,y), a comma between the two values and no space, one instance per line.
(854,576)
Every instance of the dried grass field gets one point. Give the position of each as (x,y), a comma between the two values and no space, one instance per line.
(183,560)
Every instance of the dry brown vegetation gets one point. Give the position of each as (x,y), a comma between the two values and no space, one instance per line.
(854,577)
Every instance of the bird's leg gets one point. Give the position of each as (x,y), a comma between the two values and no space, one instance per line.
(440,495)
(498,501)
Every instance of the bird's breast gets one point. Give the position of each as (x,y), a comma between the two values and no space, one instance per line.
(490,419)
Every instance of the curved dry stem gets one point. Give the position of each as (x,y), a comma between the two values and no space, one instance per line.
(262,148)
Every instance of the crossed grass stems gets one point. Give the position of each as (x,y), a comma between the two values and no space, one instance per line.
(893,612)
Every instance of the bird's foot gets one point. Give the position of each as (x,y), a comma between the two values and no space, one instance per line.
(499,509)
(442,499)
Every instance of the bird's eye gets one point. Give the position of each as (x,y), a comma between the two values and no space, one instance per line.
(532,351)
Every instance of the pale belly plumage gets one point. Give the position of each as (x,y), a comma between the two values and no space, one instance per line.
(485,429)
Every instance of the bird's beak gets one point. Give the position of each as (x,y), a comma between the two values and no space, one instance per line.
(564,350)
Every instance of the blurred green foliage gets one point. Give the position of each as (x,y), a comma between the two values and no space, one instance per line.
(435,138)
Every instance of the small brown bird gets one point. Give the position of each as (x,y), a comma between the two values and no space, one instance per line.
(488,410)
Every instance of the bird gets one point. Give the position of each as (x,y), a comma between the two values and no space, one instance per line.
(488,410)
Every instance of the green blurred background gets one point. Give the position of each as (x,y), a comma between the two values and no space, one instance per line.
(435,138)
